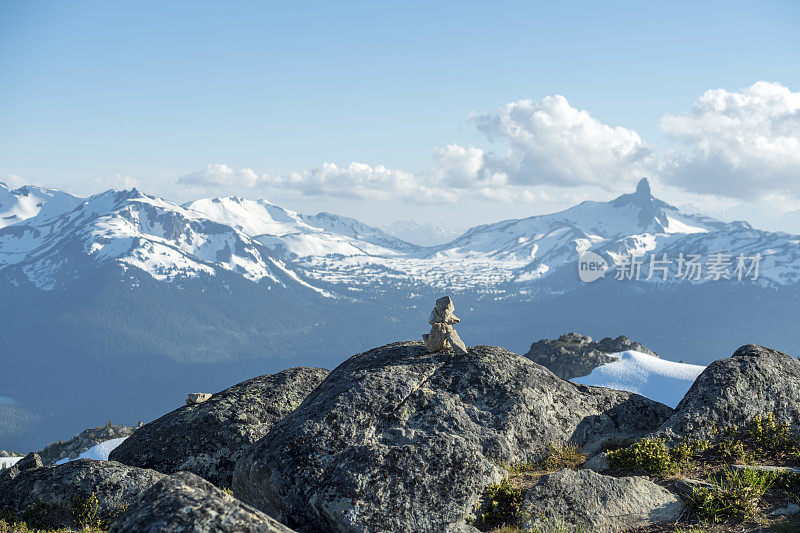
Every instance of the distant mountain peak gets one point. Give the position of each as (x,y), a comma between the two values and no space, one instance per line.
(652,211)
(641,197)
(643,190)
(23,203)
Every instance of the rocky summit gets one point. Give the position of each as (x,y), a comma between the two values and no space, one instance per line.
(573,355)
(208,437)
(401,439)
(404,439)
(754,381)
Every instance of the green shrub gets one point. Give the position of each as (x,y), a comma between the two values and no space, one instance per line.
(649,455)
(735,495)
(762,438)
(14,526)
(501,505)
(655,457)
(685,452)
(86,513)
(732,450)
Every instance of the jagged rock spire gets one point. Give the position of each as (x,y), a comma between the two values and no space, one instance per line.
(643,189)
(442,335)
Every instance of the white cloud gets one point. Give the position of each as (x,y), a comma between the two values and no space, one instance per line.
(362,181)
(221,175)
(551,142)
(458,165)
(741,144)
(508,195)
(355,180)
(465,168)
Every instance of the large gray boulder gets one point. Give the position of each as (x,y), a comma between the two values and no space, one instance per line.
(54,496)
(185,502)
(755,381)
(399,439)
(207,438)
(598,503)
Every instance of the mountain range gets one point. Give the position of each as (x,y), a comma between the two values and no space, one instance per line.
(122,302)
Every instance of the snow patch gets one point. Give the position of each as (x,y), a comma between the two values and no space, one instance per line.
(660,380)
(99,451)
(6,462)
(678,226)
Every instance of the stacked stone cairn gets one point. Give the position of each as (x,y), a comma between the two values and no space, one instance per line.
(443,336)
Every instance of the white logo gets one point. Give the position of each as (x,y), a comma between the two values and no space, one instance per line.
(591,266)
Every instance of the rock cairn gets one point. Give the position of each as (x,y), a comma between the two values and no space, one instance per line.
(443,336)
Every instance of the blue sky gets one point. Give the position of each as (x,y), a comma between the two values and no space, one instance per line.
(102,94)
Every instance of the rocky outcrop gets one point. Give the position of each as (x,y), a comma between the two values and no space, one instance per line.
(29,462)
(399,439)
(755,381)
(573,355)
(197,397)
(207,438)
(186,502)
(55,496)
(599,503)
(81,442)
(443,335)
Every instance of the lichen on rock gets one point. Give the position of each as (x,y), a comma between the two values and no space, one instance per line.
(186,502)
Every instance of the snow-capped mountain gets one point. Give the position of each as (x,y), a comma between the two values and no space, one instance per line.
(514,254)
(632,223)
(26,202)
(355,229)
(295,235)
(262,241)
(135,230)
